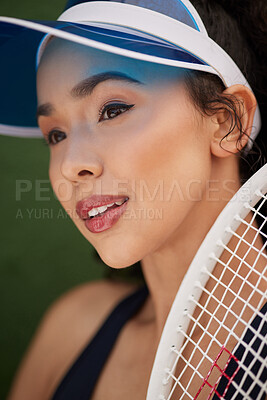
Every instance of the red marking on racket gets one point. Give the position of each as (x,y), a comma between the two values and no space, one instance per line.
(223,373)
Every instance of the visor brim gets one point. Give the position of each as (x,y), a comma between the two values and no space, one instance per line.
(19,48)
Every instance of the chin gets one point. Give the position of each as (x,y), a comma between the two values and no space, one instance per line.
(119,259)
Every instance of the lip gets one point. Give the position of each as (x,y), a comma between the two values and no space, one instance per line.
(105,221)
(85,205)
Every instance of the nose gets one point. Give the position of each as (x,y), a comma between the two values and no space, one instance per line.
(80,162)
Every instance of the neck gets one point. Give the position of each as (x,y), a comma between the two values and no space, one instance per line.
(165,268)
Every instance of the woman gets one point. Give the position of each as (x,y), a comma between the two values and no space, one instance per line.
(151,142)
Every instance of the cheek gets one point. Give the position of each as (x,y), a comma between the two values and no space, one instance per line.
(62,188)
(162,145)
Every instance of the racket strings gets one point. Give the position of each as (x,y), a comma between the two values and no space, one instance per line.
(236,294)
(230,300)
(247,363)
(230,331)
(260,253)
(260,229)
(205,354)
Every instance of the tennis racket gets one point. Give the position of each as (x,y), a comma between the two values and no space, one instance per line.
(214,343)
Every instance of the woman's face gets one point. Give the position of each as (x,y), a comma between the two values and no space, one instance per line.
(126,128)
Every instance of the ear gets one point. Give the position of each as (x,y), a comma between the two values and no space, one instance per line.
(223,143)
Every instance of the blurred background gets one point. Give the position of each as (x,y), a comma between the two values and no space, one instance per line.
(42,254)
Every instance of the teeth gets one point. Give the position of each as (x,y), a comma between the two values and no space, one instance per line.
(97,210)
(92,212)
(102,209)
(119,203)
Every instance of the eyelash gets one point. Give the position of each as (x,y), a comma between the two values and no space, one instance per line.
(49,138)
(107,107)
(113,106)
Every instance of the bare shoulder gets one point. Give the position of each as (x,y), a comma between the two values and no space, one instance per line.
(87,303)
(66,328)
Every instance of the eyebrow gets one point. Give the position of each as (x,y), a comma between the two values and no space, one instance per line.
(86,88)
(45,109)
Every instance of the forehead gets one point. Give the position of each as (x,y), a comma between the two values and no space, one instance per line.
(76,61)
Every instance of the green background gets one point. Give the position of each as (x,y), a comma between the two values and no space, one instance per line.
(40,257)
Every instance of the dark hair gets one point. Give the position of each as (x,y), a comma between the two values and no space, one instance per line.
(238,26)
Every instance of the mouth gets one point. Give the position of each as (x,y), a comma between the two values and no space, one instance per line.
(101,212)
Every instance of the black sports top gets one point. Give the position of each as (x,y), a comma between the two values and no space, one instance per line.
(251,387)
(80,380)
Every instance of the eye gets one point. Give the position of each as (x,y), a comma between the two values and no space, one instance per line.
(55,136)
(110,111)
